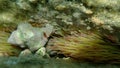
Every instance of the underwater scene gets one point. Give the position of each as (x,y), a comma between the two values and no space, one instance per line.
(59,33)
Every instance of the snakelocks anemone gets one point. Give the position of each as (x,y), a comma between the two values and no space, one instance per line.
(90,47)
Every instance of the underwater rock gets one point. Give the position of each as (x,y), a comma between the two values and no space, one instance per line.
(108,18)
(96,21)
(31,37)
(33,1)
(112,4)
(41,51)
(23,4)
(40,38)
(27,5)
(25,52)
(21,35)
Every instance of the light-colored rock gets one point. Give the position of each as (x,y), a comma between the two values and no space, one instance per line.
(23,4)
(21,35)
(32,37)
(25,52)
(15,39)
(41,51)
(40,38)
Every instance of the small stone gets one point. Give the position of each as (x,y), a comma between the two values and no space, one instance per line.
(23,4)
(41,51)
(25,52)
(97,21)
(76,15)
(33,1)
(60,7)
(88,27)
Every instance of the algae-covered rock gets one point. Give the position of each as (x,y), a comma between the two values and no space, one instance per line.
(27,4)
(31,37)
(40,37)
(109,18)
(67,17)
(112,4)
(25,52)
(41,51)
(21,35)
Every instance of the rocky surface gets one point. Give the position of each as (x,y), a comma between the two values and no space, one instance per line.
(30,37)
(68,17)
